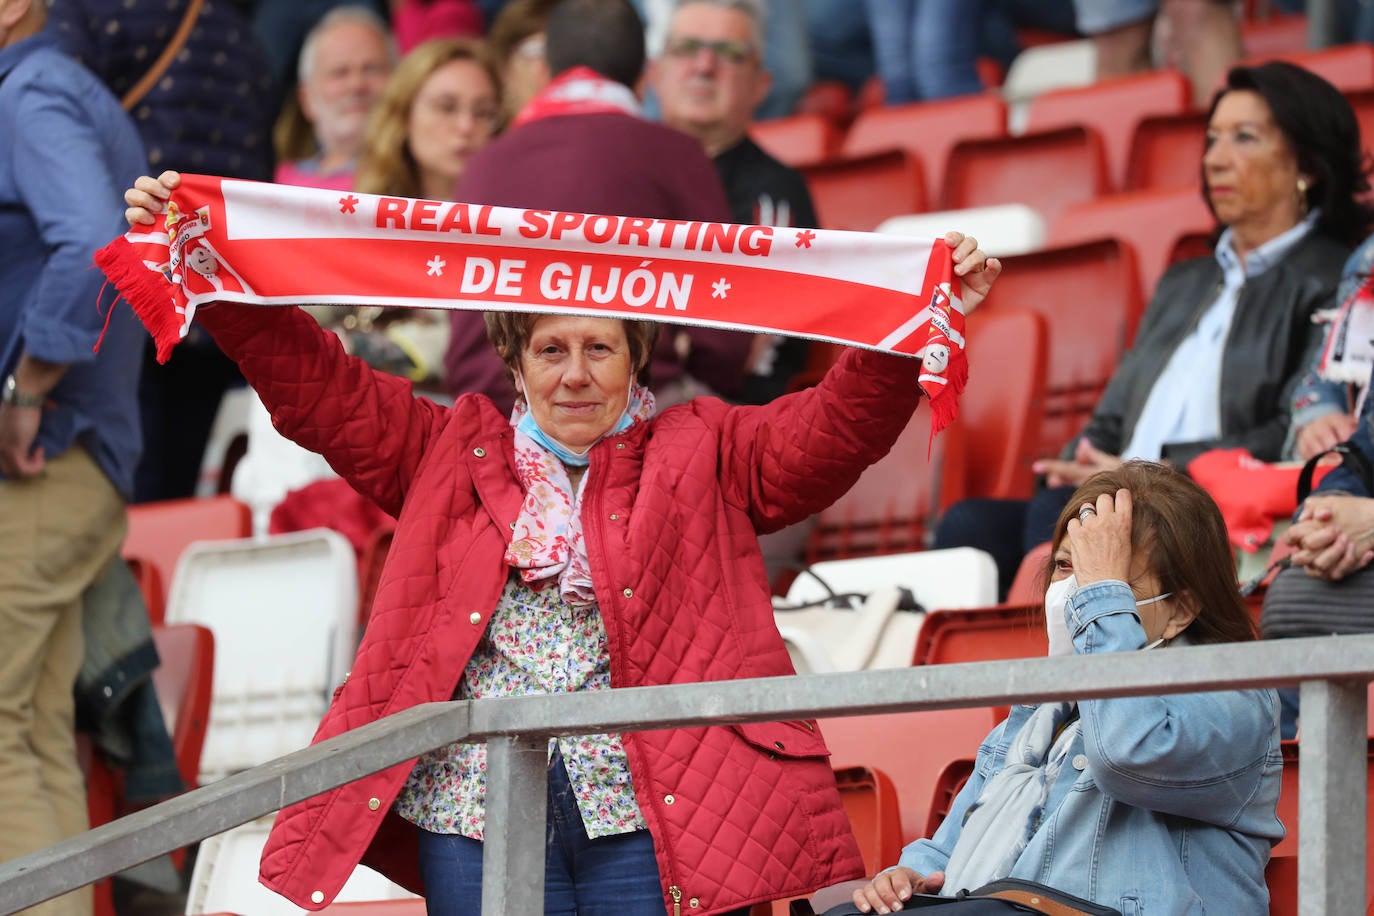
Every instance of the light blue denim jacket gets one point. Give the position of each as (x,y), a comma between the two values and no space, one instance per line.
(1173,808)
(1314,396)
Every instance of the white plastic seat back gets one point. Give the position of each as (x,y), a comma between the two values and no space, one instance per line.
(1052,66)
(225,879)
(284,613)
(878,635)
(272,467)
(1001,231)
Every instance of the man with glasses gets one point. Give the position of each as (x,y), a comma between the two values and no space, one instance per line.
(709,81)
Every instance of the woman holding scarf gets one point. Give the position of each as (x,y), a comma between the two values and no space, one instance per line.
(581,543)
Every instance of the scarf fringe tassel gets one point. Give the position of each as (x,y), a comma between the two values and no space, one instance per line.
(145,290)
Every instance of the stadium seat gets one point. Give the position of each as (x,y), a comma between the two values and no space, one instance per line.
(1028,585)
(1348,67)
(1047,171)
(183,681)
(1281,876)
(1263,38)
(911,748)
(870,799)
(1090,295)
(798,140)
(283,610)
(1052,66)
(1151,221)
(1001,231)
(947,786)
(160,531)
(953,636)
(1114,108)
(859,193)
(1192,245)
(1288,812)
(1004,402)
(893,506)
(927,130)
(1166,152)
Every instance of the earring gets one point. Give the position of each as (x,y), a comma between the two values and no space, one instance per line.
(1302,198)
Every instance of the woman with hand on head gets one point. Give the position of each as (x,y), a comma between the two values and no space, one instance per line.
(581,543)
(1147,804)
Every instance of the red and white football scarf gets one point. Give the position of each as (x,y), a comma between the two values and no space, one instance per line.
(1348,355)
(580,90)
(265,244)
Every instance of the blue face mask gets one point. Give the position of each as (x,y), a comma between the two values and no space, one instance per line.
(563,453)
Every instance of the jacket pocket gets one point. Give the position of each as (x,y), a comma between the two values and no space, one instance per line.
(796,738)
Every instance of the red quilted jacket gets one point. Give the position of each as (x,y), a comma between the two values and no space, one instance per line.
(738,813)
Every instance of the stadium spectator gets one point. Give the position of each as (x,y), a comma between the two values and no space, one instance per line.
(1325,410)
(516,42)
(580,145)
(210,112)
(709,80)
(1181,788)
(69,436)
(416,21)
(1225,338)
(440,107)
(344,65)
(478,599)
(925,49)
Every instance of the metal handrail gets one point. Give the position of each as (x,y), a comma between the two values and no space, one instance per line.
(1334,673)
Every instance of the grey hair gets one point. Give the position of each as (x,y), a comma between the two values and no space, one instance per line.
(305,63)
(756,10)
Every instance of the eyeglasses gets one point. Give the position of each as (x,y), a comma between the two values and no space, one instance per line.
(731,52)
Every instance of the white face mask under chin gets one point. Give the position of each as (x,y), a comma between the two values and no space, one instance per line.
(1057,615)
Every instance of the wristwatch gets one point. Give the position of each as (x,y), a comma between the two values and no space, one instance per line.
(12,395)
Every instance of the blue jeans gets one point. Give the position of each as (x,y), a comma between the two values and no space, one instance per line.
(925,49)
(609,876)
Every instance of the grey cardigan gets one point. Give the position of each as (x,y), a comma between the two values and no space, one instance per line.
(1267,350)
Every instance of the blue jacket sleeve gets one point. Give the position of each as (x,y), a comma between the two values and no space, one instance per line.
(1342,479)
(77,208)
(1201,756)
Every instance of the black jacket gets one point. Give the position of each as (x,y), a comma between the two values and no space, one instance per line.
(1267,348)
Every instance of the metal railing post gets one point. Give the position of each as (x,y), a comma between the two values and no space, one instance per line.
(1332,777)
(517,800)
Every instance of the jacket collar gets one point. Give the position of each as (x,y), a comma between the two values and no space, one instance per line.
(11,56)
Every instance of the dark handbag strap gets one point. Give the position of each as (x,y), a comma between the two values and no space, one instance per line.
(164,60)
(1352,459)
(1037,902)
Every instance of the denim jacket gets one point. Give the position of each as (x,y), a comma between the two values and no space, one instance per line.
(1314,396)
(1169,807)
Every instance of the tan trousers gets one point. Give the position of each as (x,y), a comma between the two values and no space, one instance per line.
(58,532)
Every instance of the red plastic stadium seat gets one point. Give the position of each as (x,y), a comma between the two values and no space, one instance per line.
(1166,152)
(798,140)
(871,802)
(983,634)
(927,130)
(1028,585)
(1348,67)
(1046,171)
(1004,403)
(859,193)
(1090,295)
(1275,35)
(1152,222)
(1114,108)
(183,681)
(895,503)
(160,531)
(947,786)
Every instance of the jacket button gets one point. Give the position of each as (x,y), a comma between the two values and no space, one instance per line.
(668,799)
(480,452)
(373,804)
(474,618)
(512,526)
(620,445)
(614,516)
(1080,761)
(317,897)
(628,593)
(694,903)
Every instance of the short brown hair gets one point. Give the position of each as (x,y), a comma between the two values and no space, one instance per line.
(1180,527)
(517,21)
(509,332)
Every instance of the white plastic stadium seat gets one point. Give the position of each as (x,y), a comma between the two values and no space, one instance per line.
(1002,231)
(283,610)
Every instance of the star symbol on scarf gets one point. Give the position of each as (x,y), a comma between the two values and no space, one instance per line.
(720,288)
(804,238)
(436,266)
(348,204)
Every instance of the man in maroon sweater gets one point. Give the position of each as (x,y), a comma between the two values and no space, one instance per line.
(581,145)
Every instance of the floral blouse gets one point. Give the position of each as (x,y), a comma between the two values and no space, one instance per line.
(536,643)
